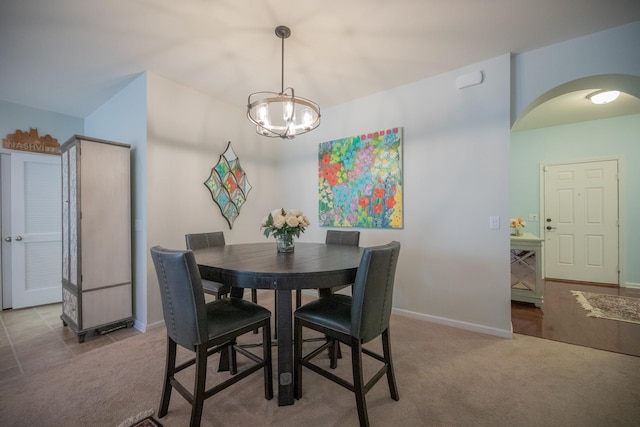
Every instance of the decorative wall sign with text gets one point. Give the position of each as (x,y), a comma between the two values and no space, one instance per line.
(360,181)
(32,142)
(229,185)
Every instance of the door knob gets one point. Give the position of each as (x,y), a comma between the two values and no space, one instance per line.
(18,238)
(7,239)
(551,228)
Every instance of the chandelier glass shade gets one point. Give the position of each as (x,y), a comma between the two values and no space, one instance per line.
(282,114)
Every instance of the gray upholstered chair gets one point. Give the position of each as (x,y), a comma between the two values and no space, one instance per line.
(340,237)
(208,240)
(334,237)
(205,329)
(353,321)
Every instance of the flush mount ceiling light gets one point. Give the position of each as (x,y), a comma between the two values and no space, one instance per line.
(603,96)
(282,114)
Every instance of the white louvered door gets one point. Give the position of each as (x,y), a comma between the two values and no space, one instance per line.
(36,247)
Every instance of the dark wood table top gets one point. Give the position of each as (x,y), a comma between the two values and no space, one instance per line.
(259,265)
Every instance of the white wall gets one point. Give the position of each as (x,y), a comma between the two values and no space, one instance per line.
(612,51)
(123,119)
(15,116)
(452,269)
(187,133)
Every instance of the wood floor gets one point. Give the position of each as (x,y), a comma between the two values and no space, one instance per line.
(561,318)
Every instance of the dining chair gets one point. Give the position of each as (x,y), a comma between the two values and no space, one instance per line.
(353,321)
(208,240)
(204,329)
(340,237)
(334,237)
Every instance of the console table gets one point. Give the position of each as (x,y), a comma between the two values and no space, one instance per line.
(526,269)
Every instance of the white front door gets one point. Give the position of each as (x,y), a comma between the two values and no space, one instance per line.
(581,221)
(36,235)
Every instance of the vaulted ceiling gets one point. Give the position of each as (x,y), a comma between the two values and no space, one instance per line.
(70,56)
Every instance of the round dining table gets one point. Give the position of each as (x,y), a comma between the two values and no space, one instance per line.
(260,266)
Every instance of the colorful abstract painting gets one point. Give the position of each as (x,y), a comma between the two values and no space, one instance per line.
(360,180)
(229,185)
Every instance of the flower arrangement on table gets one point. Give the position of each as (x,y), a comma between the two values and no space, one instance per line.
(517,224)
(284,226)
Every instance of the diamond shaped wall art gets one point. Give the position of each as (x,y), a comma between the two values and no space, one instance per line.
(229,185)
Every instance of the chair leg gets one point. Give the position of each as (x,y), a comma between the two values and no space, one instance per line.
(254,299)
(334,353)
(297,357)
(170,367)
(275,310)
(391,377)
(198,392)
(358,382)
(298,298)
(266,355)
(233,369)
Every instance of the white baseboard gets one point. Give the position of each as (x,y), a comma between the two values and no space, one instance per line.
(456,323)
(632,285)
(143,327)
(405,313)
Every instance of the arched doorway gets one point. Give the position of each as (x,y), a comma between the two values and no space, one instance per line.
(563,126)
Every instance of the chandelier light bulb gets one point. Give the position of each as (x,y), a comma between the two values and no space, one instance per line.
(263,114)
(604,96)
(307,117)
(287,112)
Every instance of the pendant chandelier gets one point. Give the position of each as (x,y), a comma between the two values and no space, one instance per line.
(282,114)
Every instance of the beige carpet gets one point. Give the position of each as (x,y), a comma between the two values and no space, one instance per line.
(446,377)
(612,307)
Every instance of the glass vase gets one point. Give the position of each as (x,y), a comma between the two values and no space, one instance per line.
(284,243)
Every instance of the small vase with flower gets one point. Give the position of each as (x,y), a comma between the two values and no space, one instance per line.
(284,226)
(517,224)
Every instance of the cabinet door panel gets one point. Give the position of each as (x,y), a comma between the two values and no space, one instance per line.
(105,215)
(103,306)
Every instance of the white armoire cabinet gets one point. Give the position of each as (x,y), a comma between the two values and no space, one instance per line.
(96,236)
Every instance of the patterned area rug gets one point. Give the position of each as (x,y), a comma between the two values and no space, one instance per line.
(614,307)
(143,419)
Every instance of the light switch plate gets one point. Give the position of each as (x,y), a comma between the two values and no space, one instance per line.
(494,222)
